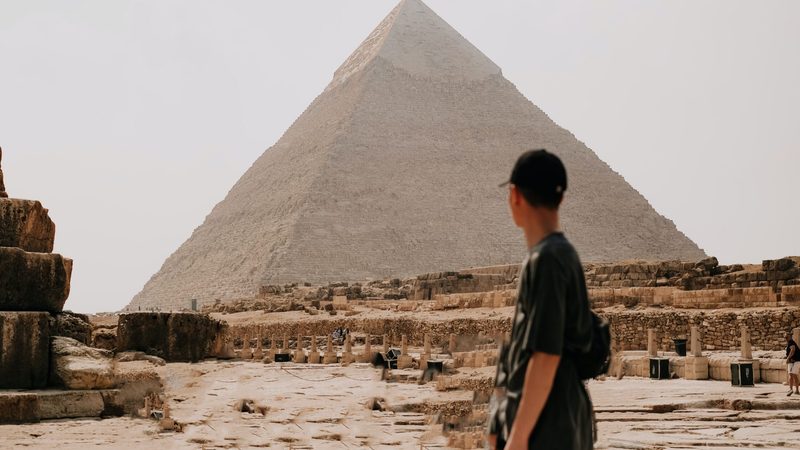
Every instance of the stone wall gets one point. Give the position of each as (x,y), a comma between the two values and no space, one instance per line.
(699,299)
(720,330)
(172,336)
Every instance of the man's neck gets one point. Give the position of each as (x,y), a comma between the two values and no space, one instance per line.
(536,231)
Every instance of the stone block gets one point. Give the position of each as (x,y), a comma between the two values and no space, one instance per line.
(18,407)
(25,224)
(33,281)
(177,337)
(696,368)
(24,349)
(79,367)
(313,357)
(405,362)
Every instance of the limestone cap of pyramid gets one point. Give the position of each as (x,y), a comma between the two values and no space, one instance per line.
(415,39)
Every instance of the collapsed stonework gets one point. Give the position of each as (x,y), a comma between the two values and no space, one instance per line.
(353,189)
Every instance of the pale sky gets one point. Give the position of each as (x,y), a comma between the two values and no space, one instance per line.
(130,120)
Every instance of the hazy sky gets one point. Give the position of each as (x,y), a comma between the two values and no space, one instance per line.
(130,120)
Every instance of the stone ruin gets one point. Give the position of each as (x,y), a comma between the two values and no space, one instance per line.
(47,368)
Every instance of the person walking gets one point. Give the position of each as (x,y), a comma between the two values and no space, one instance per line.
(542,401)
(792,365)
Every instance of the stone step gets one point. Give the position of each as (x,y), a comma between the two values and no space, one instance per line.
(34,406)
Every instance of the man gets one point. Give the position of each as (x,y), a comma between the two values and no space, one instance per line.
(792,365)
(545,405)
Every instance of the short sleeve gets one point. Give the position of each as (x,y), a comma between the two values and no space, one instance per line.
(544,330)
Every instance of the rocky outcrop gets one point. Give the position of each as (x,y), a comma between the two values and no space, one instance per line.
(72,325)
(172,336)
(24,343)
(26,224)
(33,281)
(77,366)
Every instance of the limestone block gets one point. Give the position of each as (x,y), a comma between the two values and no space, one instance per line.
(313,357)
(70,404)
(180,336)
(696,368)
(77,366)
(25,224)
(18,407)
(33,281)
(24,349)
(405,362)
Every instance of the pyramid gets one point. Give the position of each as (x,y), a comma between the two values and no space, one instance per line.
(393,171)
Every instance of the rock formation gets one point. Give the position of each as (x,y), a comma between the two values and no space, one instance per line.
(3,193)
(393,171)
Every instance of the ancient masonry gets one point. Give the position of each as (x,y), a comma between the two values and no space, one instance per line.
(393,171)
(42,346)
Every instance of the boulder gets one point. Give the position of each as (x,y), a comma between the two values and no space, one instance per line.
(77,366)
(24,349)
(177,336)
(72,325)
(33,281)
(25,224)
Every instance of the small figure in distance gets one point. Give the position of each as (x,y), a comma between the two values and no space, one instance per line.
(792,364)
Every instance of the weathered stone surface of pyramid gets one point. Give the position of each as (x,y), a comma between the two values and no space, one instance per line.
(393,171)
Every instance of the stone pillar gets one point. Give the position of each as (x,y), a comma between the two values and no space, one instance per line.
(747,350)
(452,344)
(299,353)
(313,355)
(272,347)
(259,353)
(404,361)
(285,348)
(652,345)
(696,364)
(366,357)
(247,353)
(347,355)
(330,354)
(3,193)
(697,345)
(385,343)
(426,352)
(796,334)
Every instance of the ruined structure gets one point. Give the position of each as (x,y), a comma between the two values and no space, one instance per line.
(3,193)
(393,171)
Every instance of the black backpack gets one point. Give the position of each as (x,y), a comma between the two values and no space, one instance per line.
(595,362)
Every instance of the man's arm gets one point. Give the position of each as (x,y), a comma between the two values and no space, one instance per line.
(539,378)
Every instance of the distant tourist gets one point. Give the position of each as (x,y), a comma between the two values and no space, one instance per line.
(542,401)
(793,365)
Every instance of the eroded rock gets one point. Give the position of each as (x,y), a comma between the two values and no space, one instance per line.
(33,281)
(73,325)
(26,224)
(77,366)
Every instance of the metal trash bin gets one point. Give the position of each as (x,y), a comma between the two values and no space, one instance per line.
(659,368)
(742,373)
(680,346)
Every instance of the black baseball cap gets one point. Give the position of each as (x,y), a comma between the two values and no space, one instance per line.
(541,172)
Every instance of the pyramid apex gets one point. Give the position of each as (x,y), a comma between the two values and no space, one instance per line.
(415,39)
